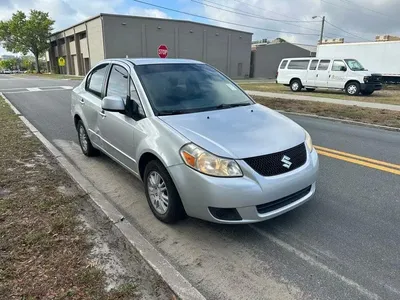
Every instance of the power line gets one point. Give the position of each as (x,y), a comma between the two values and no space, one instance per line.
(260,8)
(244,13)
(369,9)
(347,31)
(226,22)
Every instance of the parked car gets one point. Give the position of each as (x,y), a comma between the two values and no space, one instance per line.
(332,73)
(200,144)
(7,72)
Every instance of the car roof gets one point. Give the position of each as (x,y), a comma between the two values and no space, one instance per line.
(316,58)
(157,61)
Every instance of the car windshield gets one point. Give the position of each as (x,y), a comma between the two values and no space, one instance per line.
(188,88)
(354,65)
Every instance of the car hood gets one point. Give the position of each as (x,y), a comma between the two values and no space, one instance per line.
(238,132)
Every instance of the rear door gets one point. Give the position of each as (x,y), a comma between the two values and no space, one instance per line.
(338,74)
(312,73)
(90,100)
(322,76)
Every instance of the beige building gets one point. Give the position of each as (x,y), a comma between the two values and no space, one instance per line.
(112,36)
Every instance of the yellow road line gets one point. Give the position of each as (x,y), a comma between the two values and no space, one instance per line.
(359,162)
(359,157)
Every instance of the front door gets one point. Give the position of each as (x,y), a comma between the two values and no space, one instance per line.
(117,129)
(312,73)
(323,73)
(338,74)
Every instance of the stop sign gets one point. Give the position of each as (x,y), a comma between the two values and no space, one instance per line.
(162,51)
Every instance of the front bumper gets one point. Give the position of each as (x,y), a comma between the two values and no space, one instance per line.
(199,192)
(369,87)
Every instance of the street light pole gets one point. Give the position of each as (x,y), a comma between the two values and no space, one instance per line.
(322,30)
(322,27)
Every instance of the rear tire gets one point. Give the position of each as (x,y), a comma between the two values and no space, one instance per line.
(353,89)
(296,85)
(161,193)
(366,93)
(84,141)
(310,90)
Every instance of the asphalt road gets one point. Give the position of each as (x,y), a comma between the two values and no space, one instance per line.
(342,245)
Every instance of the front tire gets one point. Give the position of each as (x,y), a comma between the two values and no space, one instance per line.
(161,193)
(353,88)
(84,141)
(296,85)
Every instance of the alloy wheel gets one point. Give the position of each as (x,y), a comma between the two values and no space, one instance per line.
(158,192)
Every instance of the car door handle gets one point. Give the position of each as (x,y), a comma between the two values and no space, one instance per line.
(316,75)
(102,114)
(82,101)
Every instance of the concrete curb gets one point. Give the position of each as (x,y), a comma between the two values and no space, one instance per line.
(178,284)
(341,120)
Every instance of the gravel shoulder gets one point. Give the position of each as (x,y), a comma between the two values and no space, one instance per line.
(54,243)
(389,94)
(354,113)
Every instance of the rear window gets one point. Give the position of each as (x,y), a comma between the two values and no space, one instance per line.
(324,65)
(314,64)
(298,64)
(283,64)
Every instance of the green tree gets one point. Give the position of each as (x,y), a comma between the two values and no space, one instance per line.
(8,64)
(24,34)
(27,62)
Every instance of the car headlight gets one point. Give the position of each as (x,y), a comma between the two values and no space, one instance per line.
(367,79)
(209,164)
(309,143)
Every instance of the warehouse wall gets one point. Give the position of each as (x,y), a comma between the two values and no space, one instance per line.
(227,50)
(94,41)
(267,58)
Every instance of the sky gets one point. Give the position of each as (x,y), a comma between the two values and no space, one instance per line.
(354,20)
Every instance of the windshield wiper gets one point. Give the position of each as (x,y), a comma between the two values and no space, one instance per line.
(222,106)
(171,112)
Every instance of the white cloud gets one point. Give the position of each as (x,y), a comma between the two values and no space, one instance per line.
(354,16)
(155,13)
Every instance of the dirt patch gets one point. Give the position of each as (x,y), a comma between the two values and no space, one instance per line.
(354,113)
(51,235)
(389,94)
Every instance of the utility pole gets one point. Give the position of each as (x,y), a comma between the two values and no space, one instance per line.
(322,30)
(322,27)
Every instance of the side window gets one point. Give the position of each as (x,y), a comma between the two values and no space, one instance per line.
(314,64)
(95,80)
(337,65)
(118,82)
(283,64)
(324,65)
(298,64)
(135,97)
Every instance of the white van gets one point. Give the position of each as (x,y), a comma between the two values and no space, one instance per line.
(330,73)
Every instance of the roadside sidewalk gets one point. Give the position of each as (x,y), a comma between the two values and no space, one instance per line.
(54,244)
(325,100)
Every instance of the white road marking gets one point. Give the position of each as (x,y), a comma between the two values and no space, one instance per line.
(39,90)
(34,89)
(67,87)
(315,263)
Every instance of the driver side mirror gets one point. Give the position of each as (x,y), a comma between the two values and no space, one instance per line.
(113,103)
(343,69)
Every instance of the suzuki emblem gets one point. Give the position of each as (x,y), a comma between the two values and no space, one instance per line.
(286,162)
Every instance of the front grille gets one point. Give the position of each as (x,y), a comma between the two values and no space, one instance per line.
(272,165)
(274,205)
(376,78)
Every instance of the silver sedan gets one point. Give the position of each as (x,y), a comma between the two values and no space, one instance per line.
(201,145)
